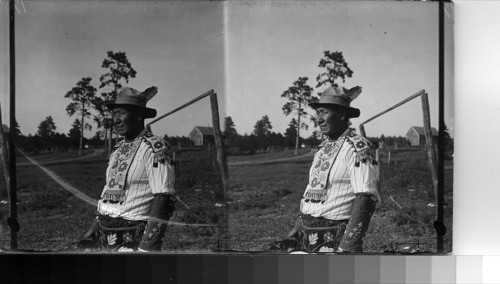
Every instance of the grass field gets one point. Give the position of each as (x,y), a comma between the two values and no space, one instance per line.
(52,218)
(267,156)
(266,202)
(263,202)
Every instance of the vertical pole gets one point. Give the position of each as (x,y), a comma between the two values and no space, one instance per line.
(111,125)
(379,189)
(429,143)
(12,153)
(110,137)
(221,159)
(362,130)
(105,138)
(5,156)
(297,139)
(439,224)
(81,130)
(221,155)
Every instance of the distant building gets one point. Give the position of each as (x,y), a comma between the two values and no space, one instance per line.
(202,136)
(5,128)
(416,135)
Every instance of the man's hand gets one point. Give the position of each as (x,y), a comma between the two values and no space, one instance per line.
(297,229)
(92,230)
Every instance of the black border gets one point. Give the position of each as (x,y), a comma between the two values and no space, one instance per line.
(16,267)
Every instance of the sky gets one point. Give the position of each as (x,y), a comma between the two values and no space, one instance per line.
(392,48)
(175,46)
(248,52)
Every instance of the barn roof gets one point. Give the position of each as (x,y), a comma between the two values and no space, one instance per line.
(421,131)
(205,130)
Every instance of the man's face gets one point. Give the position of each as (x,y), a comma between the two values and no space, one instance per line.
(127,121)
(331,121)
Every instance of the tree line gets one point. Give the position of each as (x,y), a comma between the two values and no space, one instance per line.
(86,104)
(263,138)
(299,95)
(47,139)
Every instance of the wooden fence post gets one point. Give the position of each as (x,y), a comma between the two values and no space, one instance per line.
(439,224)
(430,148)
(221,158)
(429,145)
(221,155)
(12,121)
(362,130)
(379,189)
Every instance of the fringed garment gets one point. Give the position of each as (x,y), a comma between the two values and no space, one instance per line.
(312,235)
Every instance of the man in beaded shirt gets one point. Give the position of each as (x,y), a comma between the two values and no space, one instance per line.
(340,198)
(137,200)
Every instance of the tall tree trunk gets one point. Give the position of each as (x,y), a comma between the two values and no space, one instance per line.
(106,128)
(105,146)
(110,145)
(298,130)
(105,138)
(110,137)
(81,129)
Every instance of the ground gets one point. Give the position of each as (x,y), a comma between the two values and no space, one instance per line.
(264,194)
(267,196)
(52,218)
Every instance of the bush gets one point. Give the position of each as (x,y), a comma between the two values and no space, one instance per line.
(234,151)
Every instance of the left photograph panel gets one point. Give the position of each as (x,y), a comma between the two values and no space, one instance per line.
(117,131)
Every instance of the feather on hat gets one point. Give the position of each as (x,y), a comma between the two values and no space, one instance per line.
(130,96)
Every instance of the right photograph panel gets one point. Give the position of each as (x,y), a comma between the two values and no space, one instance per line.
(332,127)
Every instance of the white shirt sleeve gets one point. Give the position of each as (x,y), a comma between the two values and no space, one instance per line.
(364,176)
(161,178)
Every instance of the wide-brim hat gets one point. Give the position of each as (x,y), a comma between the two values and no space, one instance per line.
(132,97)
(341,97)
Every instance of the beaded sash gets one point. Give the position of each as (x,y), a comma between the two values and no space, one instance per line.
(120,163)
(323,162)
